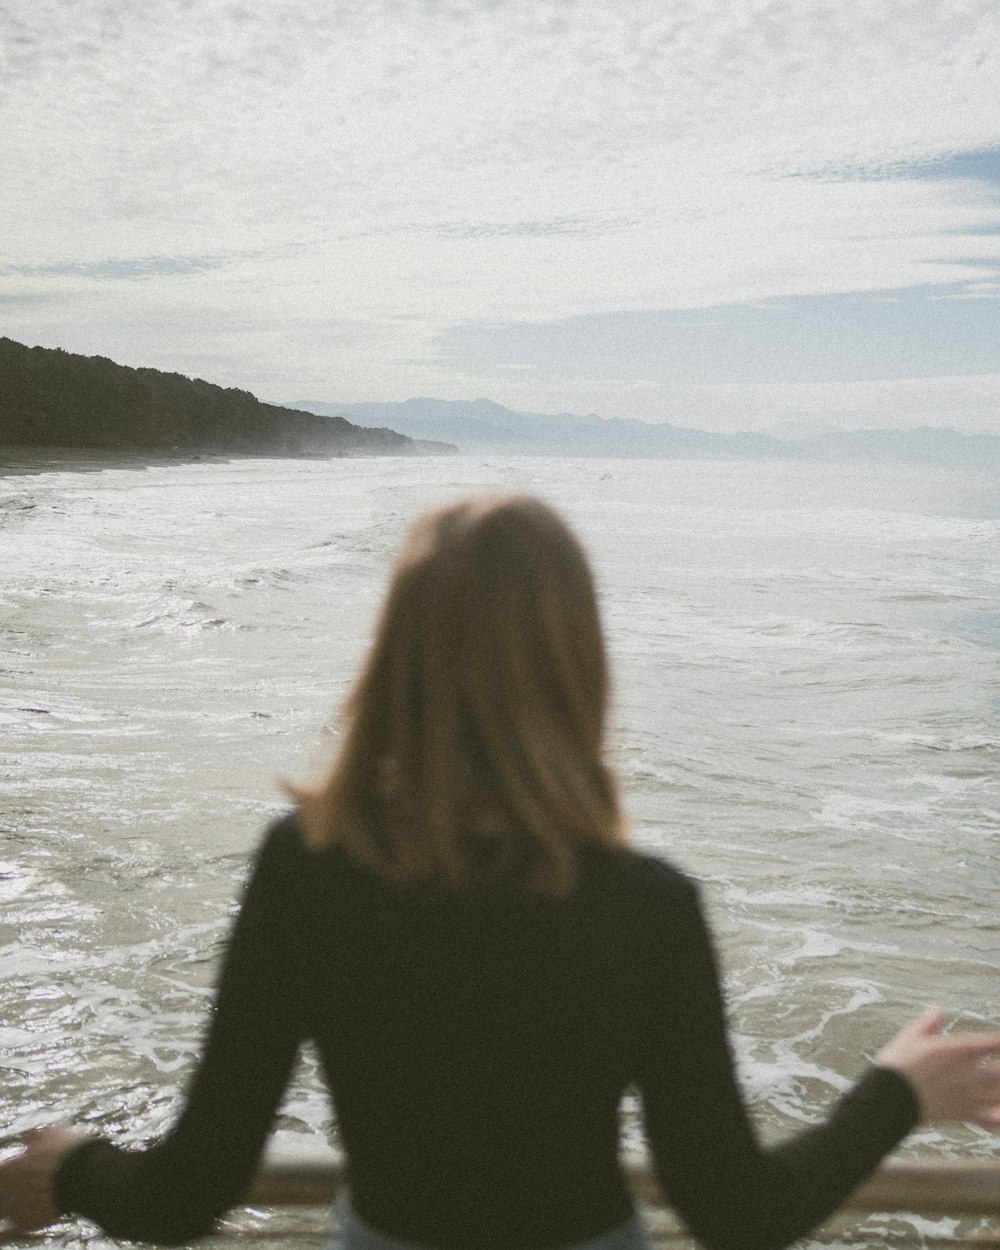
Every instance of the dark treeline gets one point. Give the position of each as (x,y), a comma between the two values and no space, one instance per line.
(53,398)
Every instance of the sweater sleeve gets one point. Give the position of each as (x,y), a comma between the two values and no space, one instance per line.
(174,1191)
(729,1190)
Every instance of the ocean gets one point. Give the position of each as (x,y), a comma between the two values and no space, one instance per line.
(806,718)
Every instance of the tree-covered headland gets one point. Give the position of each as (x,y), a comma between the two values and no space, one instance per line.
(54,398)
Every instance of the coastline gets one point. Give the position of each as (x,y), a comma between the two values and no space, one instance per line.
(18,460)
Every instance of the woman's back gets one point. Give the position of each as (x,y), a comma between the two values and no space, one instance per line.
(478,1041)
(477,1044)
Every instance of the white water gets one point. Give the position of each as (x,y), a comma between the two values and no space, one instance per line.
(807,719)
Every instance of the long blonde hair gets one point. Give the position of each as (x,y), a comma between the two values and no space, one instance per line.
(473,737)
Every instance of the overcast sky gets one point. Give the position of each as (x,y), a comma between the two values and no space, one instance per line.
(720,213)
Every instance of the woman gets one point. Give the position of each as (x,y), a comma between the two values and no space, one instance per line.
(455,919)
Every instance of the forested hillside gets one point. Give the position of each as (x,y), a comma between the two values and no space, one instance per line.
(50,397)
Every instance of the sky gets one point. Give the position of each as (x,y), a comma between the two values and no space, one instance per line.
(727,214)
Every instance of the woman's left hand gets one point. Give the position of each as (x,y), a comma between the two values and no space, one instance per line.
(27,1181)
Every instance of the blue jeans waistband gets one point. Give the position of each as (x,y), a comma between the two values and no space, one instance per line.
(354,1234)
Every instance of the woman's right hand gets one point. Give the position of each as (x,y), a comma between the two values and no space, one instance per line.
(955,1078)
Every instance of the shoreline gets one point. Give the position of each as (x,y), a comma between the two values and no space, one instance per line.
(19,460)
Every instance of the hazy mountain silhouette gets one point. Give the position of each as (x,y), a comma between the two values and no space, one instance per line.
(480,425)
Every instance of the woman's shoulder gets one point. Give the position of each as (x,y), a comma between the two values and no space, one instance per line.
(284,852)
(640,903)
(640,877)
(282,844)
(285,838)
(286,856)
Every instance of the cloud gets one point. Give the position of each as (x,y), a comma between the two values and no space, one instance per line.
(378,114)
(139,267)
(488,229)
(975,165)
(460,163)
(25,299)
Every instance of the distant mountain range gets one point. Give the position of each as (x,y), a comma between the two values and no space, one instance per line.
(480,425)
(50,397)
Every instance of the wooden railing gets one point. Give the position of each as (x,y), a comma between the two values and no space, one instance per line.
(924,1188)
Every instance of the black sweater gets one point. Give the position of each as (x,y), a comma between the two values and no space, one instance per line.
(477,1047)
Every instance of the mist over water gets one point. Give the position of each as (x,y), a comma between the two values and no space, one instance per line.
(807,719)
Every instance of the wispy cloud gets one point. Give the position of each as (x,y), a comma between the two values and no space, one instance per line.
(140,267)
(974,165)
(493,229)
